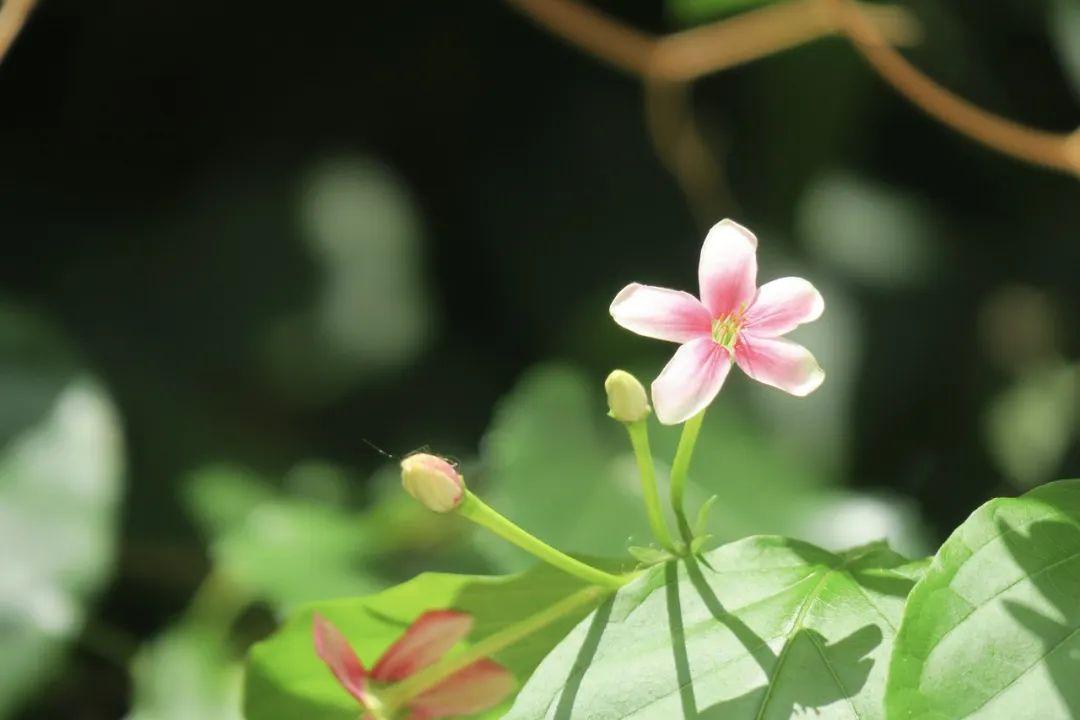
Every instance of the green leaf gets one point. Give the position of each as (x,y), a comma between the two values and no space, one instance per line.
(186,673)
(993,629)
(766,627)
(277,547)
(61,468)
(1064,27)
(285,680)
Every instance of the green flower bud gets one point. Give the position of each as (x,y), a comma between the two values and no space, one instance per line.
(433,481)
(627,401)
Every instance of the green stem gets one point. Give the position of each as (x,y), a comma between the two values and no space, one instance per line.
(415,684)
(639,438)
(679,469)
(482,514)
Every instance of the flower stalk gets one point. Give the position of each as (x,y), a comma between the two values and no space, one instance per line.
(484,515)
(679,470)
(639,438)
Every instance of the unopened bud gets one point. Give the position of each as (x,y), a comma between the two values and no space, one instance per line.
(433,481)
(627,401)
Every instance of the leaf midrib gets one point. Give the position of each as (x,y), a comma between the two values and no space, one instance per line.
(795,627)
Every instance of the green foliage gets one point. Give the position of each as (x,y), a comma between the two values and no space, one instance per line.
(61,470)
(549,448)
(993,629)
(546,452)
(761,628)
(188,672)
(285,680)
(279,547)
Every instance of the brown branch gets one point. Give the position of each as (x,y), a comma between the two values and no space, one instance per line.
(681,148)
(609,40)
(690,54)
(13,15)
(1059,151)
(753,35)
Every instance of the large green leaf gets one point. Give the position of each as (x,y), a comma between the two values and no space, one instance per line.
(993,629)
(285,680)
(765,627)
(61,466)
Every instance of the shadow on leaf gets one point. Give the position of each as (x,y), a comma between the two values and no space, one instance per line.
(1050,558)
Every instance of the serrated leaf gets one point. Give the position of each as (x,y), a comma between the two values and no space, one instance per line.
(766,628)
(285,680)
(61,471)
(993,629)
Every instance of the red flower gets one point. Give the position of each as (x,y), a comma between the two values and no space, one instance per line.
(474,688)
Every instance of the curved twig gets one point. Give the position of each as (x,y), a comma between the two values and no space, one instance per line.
(1059,151)
(690,54)
(13,16)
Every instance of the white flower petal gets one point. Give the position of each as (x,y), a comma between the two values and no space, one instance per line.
(661,313)
(727,271)
(690,381)
(780,363)
(782,305)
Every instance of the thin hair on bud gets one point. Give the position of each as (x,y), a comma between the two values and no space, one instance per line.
(376,448)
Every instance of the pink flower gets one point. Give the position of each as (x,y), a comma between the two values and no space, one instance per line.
(734,319)
(476,687)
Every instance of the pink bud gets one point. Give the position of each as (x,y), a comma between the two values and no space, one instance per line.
(433,481)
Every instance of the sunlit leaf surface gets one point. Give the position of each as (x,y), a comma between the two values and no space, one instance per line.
(765,627)
(285,680)
(993,629)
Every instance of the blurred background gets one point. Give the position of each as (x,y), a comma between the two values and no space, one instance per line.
(252,252)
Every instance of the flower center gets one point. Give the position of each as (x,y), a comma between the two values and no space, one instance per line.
(725,330)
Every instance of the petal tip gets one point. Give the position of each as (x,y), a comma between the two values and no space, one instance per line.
(622,296)
(727,224)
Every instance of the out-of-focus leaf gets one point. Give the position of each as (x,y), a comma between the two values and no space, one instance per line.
(1030,426)
(372,311)
(869,231)
(283,549)
(693,12)
(993,629)
(61,468)
(1064,21)
(764,628)
(551,468)
(285,679)
(188,673)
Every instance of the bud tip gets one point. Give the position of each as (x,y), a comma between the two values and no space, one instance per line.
(627,401)
(433,481)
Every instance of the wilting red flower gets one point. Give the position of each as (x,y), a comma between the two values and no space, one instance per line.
(474,688)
